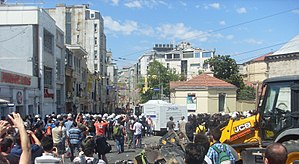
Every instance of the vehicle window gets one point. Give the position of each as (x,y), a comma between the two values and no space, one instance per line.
(284,99)
(270,100)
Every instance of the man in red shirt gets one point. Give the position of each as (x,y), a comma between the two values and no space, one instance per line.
(101,126)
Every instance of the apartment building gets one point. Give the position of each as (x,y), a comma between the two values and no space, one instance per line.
(85,28)
(182,58)
(32,60)
(112,94)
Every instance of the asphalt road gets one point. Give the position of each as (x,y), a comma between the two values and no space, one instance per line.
(128,154)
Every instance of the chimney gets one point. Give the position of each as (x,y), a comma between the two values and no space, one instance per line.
(210,73)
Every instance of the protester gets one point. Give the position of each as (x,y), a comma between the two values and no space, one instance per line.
(203,140)
(217,147)
(57,135)
(88,147)
(170,124)
(149,125)
(194,153)
(182,125)
(100,139)
(137,138)
(25,143)
(118,134)
(75,138)
(49,151)
(275,153)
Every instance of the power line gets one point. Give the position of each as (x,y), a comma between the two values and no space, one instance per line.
(224,28)
(283,48)
(23,31)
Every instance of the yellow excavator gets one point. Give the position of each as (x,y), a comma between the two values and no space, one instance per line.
(276,120)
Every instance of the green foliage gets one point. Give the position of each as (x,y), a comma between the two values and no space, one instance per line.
(247,93)
(200,72)
(225,68)
(158,76)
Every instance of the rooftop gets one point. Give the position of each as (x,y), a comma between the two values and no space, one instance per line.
(203,80)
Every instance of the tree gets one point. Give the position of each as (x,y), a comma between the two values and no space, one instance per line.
(246,93)
(226,68)
(158,78)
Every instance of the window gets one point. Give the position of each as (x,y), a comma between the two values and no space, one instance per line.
(191,102)
(176,56)
(195,65)
(47,77)
(92,16)
(188,55)
(197,55)
(68,27)
(95,40)
(221,102)
(95,27)
(48,42)
(207,54)
(58,97)
(168,56)
(95,66)
(58,69)
(78,37)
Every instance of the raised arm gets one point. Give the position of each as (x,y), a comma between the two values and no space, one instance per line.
(25,144)
(35,139)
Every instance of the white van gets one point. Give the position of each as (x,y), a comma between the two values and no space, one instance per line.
(160,111)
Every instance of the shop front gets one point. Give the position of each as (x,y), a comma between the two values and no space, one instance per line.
(19,93)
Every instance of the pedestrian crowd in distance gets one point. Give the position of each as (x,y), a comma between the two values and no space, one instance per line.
(79,137)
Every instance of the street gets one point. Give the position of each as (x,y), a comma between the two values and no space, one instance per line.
(129,154)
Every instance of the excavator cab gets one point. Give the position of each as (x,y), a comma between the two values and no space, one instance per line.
(278,109)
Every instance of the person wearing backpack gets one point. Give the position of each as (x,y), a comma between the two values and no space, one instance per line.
(48,128)
(118,134)
(219,153)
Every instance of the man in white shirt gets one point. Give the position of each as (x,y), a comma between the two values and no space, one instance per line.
(137,128)
(48,156)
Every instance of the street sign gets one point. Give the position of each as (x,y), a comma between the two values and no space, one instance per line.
(156,89)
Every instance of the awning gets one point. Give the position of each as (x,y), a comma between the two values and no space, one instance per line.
(3,101)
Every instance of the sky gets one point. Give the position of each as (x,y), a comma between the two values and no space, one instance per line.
(243,29)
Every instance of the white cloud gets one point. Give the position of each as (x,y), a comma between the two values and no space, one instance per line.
(134,4)
(222,23)
(295,11)
(125,28)
(253,41)
(215,5)
(229,37)
(241,10)
(145,3)
(183,3)
(115,2)
(180,31)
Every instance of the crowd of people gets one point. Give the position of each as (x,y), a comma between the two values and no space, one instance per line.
(55,137)
(79,137)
